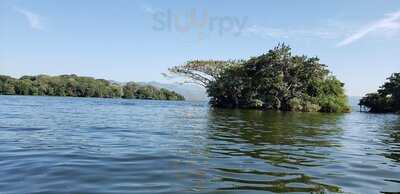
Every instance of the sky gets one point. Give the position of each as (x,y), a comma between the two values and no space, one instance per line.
(137,40)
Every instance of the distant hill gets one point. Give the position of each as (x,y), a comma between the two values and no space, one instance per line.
(353,101)
(191,92)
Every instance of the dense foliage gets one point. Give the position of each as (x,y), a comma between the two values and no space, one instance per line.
(77,86)
(387,99)
(275,80)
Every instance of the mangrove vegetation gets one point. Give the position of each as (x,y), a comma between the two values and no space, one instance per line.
(276,80)
(386,99)
(78,86)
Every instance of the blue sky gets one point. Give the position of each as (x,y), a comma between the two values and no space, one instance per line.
(138,40)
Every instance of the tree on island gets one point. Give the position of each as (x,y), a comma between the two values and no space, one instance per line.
(386,99)
(78,86)
(275,80)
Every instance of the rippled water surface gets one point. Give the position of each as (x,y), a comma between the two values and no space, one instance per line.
(82,145)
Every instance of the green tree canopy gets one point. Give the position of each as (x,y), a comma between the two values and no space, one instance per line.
(386,99)
(275,80)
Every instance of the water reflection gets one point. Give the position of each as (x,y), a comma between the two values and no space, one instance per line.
(271,151)
(391,132)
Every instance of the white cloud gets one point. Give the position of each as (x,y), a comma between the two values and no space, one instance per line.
(329,31)
(391,22)
(267,32)
(34,20)
(148,9)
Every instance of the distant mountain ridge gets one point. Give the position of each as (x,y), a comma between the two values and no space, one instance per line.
(353,101)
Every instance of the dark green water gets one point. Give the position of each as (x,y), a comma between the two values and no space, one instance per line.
(78,145)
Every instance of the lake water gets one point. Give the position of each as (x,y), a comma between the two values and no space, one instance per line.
(88,145)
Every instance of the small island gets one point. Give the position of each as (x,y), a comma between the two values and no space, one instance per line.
(386,99)
(79,86)
(276,80)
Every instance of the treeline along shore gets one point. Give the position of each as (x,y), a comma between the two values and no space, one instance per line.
(275,80)
(79,86)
